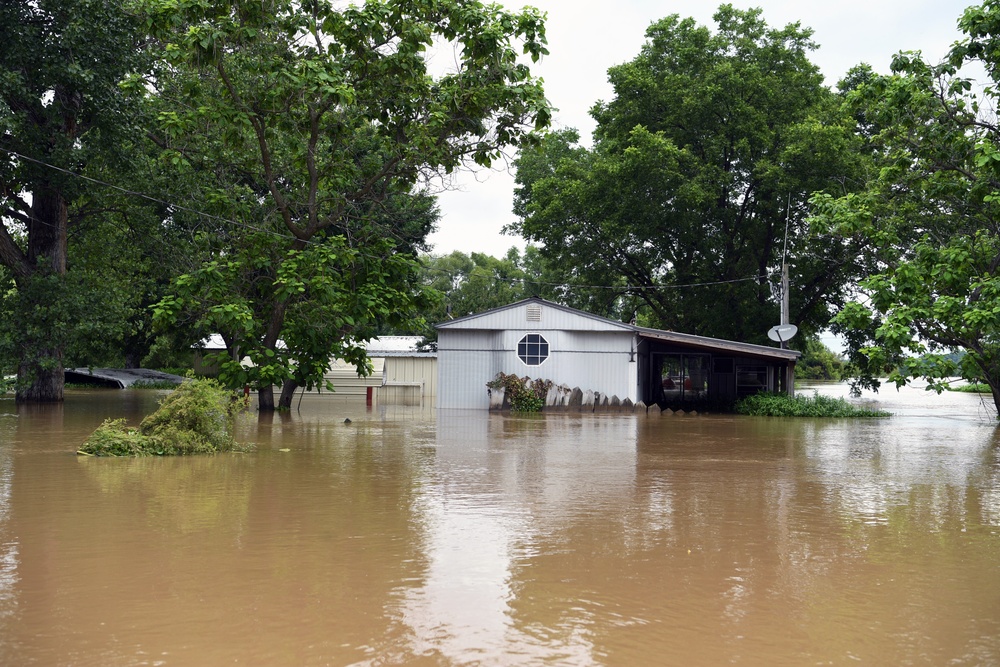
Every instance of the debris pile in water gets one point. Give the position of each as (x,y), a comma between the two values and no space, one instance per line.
(196,418)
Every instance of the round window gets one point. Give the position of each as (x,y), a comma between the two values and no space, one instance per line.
(533,349)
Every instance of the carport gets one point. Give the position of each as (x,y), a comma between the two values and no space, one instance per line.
(679,370)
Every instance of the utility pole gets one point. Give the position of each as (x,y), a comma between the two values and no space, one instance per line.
(784,300)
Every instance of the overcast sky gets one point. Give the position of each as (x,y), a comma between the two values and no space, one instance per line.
(586,37)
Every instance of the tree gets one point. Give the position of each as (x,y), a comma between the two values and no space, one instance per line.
(60,105)
(317,123)
(929,216)
(473,283)
(818,362)
(707,151)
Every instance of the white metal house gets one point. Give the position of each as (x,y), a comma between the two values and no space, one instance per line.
(544,340)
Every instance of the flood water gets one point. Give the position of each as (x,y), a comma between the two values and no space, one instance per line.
(410,537)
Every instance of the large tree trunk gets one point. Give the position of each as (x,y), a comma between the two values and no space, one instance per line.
(44,382)
(40,372)
(287,393)
(136,348)
(270,341)
(994,384)
(990,375)
(265,399)
(133,358)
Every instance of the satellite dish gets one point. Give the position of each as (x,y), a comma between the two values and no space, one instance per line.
(782,332)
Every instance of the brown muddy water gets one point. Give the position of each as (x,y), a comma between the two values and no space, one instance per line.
(409,537)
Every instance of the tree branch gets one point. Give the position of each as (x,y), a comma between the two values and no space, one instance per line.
(12,256)
(265,154)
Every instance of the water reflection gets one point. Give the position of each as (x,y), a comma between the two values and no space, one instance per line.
(8,540)
(499,490)
(395,535)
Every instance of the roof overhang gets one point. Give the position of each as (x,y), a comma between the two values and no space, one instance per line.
(717,345)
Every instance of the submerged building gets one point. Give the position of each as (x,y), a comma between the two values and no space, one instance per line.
(575,349)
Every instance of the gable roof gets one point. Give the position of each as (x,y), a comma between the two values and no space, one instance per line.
(498,318)
(493,318)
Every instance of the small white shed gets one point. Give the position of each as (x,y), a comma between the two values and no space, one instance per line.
(545,340)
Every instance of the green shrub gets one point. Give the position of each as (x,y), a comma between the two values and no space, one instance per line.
(974,388)
(115,438)
(153,384)
(523,394)
(782,405)
(196,418)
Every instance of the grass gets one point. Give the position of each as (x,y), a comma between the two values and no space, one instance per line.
(153,384)
(183,371)
(196,418)
(781,405)
(974,388)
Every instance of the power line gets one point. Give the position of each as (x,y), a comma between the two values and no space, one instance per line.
(620,288)
(172,205)
(247,226)
(136,193)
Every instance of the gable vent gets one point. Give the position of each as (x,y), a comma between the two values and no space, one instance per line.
(534,312)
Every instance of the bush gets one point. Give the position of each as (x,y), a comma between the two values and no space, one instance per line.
(782,405)
(115,438)
(196,418)
(523,394)
(153,384)
(973,388)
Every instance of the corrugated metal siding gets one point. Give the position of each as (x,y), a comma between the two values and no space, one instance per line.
(401,369)
(345,379)
(589,360)
(411,371)
(467,360)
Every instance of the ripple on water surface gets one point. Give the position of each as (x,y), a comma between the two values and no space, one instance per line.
(408,536)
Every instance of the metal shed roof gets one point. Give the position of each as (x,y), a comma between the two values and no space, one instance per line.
(717,344)
(686,340)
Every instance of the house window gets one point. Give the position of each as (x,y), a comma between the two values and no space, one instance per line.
(533,349)
(751,378)
(684,377)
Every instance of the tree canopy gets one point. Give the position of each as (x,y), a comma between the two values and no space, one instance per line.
(61,111)
(319,125)
(709,148)
(929,218)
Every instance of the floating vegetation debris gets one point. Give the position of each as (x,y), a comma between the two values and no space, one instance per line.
(196,418)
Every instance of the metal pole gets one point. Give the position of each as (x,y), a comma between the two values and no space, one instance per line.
(784,299)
